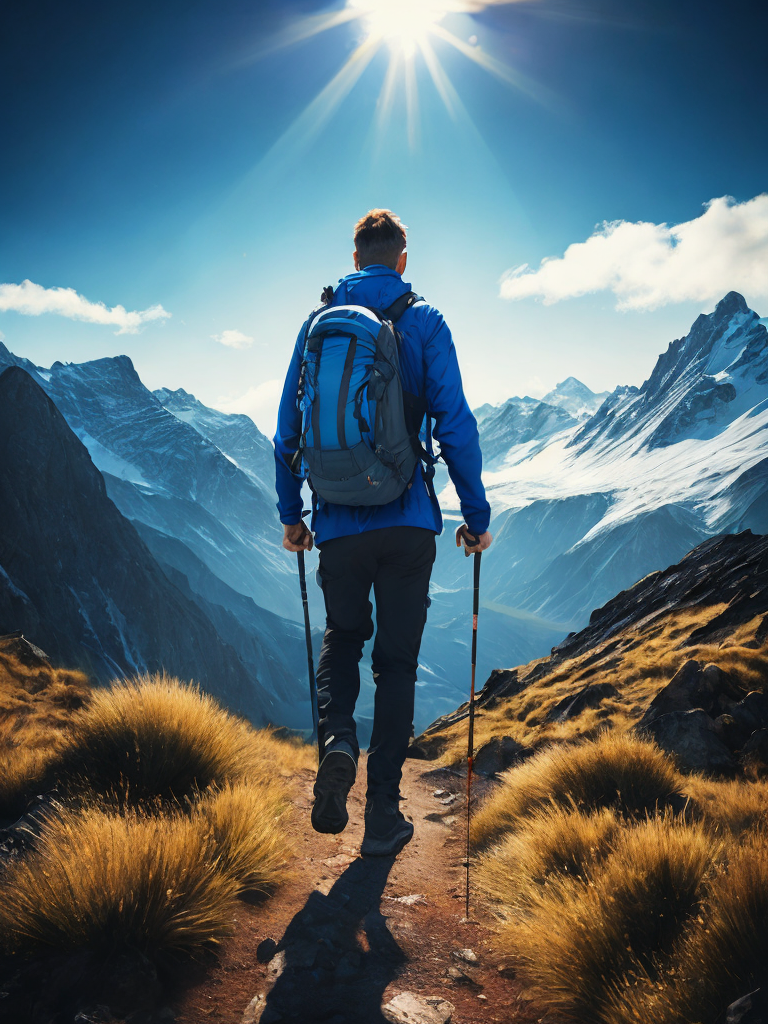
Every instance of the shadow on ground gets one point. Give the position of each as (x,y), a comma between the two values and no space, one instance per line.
(337,955)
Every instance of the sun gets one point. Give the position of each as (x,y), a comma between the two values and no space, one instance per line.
(404,24)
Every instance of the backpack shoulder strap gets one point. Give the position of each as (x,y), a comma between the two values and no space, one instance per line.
(399,306)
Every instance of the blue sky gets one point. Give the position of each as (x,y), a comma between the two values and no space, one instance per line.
(187,155)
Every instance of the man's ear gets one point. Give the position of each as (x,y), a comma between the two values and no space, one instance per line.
(401,262)
(356,260)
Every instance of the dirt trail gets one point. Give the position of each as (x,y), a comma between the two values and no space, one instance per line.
(338,941)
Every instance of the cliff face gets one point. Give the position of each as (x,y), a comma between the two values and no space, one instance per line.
(76,577)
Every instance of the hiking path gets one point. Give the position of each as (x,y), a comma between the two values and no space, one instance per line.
(349,940)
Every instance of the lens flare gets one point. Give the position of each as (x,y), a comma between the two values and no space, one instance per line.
(404,24)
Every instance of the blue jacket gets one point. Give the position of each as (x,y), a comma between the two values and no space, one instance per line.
(429,369)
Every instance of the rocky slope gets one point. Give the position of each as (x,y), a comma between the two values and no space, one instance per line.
(162,471)
(681,655)
(76,577)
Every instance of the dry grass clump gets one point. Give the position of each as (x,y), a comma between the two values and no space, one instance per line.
(735,805)
(101,881)
(36,707)
(154,738)
(615,770)
(244,825)
(582,938)
(553,841)
(167,808)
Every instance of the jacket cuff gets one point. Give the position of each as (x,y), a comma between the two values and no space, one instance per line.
(478,522)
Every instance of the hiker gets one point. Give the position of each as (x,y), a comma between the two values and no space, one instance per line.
(347,422)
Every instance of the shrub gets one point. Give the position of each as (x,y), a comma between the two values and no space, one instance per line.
(724,953)
(615,770)
(154,738)
(553,841)
(582,940)
(102,881)
(734,805)
(243,822)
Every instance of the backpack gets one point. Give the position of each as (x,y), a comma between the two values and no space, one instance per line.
(359,431)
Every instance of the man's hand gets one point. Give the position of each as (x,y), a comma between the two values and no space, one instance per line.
(473,545)
(297,537)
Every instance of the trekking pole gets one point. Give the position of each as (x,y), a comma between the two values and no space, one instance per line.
(310,659)
(471,741)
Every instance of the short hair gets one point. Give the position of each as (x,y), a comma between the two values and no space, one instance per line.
(379,238)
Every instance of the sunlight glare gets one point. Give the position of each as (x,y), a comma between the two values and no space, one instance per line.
(401,23)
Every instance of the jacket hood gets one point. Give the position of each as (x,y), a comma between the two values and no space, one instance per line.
(376,286)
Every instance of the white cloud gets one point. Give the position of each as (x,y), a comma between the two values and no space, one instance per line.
(260,402)
(233,339)
(32,300)
(650,265)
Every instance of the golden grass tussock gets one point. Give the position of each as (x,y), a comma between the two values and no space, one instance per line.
(638,662)
(99,880)
(167,808)
(580,939)
(154,738)
(552,841)
(735,805)
(244,823)
(615,770)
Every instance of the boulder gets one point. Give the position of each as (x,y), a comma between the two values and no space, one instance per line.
(591,696)
(690,687)
(691,738)
(750,1009)
(756,747)
(751,713)
(501,683)
(498,754)
(733,735)
(408,1008)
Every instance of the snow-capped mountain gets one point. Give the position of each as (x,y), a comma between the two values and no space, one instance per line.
(655,470)
(234,434)
(576,398)
(164,472)
(519,421)
(76,577)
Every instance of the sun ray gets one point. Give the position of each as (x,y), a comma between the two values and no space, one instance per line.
(440,79)
(411,100)
(493,66)
(314,118)
(298,32)
(387,94)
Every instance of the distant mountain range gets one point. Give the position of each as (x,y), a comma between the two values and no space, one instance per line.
(590,492)
(583,512)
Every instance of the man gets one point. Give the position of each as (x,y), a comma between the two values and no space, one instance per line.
(389,547)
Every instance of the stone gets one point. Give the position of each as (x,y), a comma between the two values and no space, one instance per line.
(254,1010)
(460,976)
(733,735)
(690,737)
(409,1008)
(448,799)
(591,696)
(467,955)
(497,755)
(408,901)
(750,1009)
(276,965)
(751,713)
(756,747)
(686,690)
(439,792)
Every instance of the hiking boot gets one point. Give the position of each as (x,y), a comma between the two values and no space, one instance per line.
(386,829)
(335,778)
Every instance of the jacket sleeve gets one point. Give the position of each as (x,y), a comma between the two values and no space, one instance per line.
(455,427)
(287,484)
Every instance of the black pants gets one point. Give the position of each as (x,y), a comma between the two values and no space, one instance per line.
(397,562)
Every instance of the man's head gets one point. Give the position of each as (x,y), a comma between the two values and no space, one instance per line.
(380,238)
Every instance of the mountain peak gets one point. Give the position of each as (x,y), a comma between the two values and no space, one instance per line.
(731,303)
